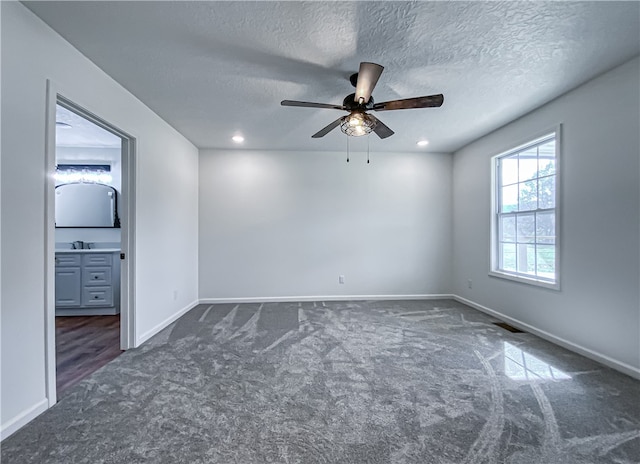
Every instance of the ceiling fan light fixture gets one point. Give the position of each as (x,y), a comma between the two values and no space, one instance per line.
(357,124)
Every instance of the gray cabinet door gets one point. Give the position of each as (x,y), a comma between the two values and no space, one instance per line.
(68,287)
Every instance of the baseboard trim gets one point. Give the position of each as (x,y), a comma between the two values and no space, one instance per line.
(150,333)
(591,354)
(288,299)
(22,419)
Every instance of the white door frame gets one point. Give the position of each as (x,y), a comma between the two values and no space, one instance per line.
(127,221)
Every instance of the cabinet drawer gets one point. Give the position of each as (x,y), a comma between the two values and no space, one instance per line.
(97,259)
(96,276)
(97,296)
(67,259)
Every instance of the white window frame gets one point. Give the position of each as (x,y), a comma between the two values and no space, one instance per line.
(494,270)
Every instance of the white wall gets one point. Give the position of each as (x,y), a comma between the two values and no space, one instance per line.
(166,201)
(597,308)
(287,224)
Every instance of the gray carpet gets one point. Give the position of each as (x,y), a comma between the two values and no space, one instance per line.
(340,382)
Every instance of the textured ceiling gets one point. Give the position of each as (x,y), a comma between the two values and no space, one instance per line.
(80,132)
(214,69)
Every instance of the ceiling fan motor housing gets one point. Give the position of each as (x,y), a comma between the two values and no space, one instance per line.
(350,104)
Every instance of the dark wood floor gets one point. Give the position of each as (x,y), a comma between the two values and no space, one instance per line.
(83,345)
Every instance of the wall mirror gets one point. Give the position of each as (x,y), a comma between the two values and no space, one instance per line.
(80,204)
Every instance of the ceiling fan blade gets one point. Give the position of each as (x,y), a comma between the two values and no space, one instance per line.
(430,101)
(368,76)
(381,129)
(324,131)
(311,105)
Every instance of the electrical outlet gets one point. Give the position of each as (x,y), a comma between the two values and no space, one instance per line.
(175,294)
(341,279)
(470,283)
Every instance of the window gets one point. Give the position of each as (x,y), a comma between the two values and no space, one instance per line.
(525,245)
(68,173)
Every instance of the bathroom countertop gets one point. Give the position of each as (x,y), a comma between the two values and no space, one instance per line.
(91,250)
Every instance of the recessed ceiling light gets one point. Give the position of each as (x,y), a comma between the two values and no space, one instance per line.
(422,143)
(237,138)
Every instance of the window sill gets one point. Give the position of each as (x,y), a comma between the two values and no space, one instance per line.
(525,280)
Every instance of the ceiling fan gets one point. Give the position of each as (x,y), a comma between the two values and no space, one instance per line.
(358,122)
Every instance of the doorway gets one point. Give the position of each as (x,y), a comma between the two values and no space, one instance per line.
(89,302)
(88,188)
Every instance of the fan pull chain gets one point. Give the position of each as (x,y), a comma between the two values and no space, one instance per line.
(368,149)
(347,149)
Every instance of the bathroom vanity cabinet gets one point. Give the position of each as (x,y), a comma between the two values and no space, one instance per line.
(87,282)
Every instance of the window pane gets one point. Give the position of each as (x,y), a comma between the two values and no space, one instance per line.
(526,258)
(528,166)
(547,192)
(509,170)
(526,188)
(546,257)
(547,159)
(526,228)
(546,227)
(528,194)
(507,229)
(509,199)
(508,256)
